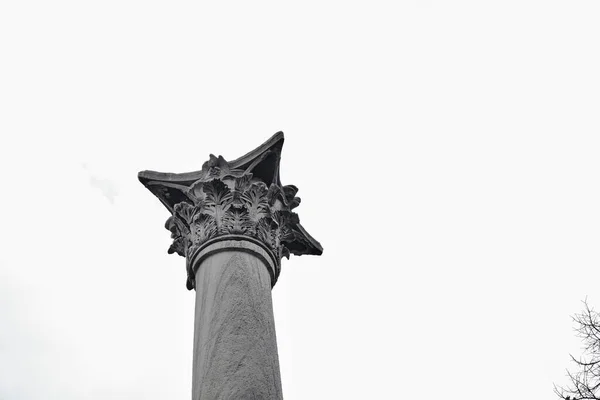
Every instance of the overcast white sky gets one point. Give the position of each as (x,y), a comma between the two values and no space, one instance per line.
(447,155)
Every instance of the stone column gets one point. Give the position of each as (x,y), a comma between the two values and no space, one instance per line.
(233,222)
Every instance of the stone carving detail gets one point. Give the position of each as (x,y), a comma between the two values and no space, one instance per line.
(243,197)
(227,201)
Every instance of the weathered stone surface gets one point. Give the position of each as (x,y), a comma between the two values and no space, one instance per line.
(233,222)
(241,197)
(235,348)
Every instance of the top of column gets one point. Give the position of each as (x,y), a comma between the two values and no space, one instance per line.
(240,197)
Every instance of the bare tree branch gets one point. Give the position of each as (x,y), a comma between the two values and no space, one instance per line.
(585,383)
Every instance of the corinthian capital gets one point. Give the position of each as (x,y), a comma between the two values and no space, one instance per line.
(240,200)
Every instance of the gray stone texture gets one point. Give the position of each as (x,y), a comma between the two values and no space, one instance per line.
(234,222)
(235,348)
(240,197)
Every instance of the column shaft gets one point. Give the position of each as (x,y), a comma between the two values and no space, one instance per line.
(235,348)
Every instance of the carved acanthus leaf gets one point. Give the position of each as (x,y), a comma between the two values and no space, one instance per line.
(196,191)
(178,234)
(186,211)
(203,229)
(178,246)
(282,228)
(264,231)
(273,193)
(241,184)
(218,200)
(236,221)
(255,201)
(291,201)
